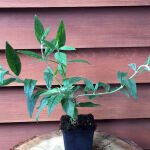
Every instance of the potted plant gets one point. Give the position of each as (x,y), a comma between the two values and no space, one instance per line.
(77,129)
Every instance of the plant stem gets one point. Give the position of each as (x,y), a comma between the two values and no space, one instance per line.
(119,88)
(43,56)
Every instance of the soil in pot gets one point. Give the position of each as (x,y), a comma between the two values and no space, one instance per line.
(78,136)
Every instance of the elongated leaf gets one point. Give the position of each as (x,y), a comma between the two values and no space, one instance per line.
(75,113)
(125,92)
(2,74)
(145,69)
(101,84)
(43,60)
(68,106)
(46,33)
(148,61)
(43,103)
(49,44)
(62,70)
(49,92)
(70,81)
(48,77)
(75,89)
(7,81)
(61,58)
(132,66)
(88,104)
(82,61)
(61,35)
(38,28)
(29,86)
(48,51)
(121,76)
(30,53)
(13,59)
(89,84)
(53,101)
(67,48)
(131,86)
(32,102)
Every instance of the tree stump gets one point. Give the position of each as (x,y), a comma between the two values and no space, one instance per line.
(54,141)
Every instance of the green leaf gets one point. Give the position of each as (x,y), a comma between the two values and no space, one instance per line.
(70,81)
(32,102)
(122,76)
(75,113)
(131,86)
(67,48)
(43,103)
(46,33)
(68,106)
(145,69)
(48,77)
(82,61)
(61,35)
(49,92)
(88,84)
(49,44)
(125,92)
(13,59)
(61,58)
(53,101)
(75,89)
(43,60)
(62,70)
(148,62)
(38,28)
(29,86)
(7,81)
(88,104)
(132,66)
(101,84)
(2,74)
(48,51)
(56,71)
(30,53)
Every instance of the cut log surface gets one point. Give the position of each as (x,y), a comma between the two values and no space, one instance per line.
(54,141)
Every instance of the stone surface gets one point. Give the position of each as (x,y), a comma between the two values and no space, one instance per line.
(54,141)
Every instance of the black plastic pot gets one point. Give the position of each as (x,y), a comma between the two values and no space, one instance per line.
(78,139)
(78,136)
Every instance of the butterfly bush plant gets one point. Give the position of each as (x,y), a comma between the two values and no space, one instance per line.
(66,91)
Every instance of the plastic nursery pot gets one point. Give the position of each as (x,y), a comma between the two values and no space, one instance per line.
(80,135)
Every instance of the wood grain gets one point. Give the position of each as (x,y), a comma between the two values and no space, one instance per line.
(70,3)
(104,65)
(13,133)
(13,107)
(85,27)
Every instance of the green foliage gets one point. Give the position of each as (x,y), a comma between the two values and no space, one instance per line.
(29,86)
(48,77)
(67,92)
(38,28)
(87,104)
(67,48)
(82,61)
(131,86)
(132,66)
(53,101)
(68,106)
(13,59)
(61,35)
(30,53)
